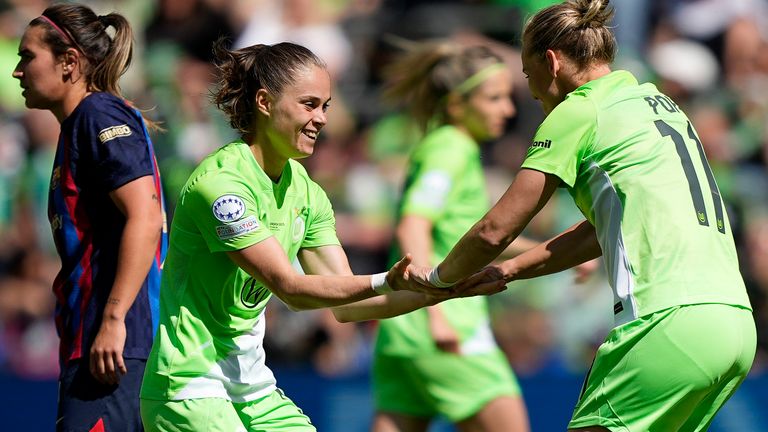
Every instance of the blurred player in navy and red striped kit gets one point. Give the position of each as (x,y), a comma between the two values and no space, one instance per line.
(106,212)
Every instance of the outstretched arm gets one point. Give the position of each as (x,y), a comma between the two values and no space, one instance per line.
(500,226)
(574,246)
(331,260)
(267,262)
(486,282)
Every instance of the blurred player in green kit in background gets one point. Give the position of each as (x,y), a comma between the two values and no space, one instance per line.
(443,360)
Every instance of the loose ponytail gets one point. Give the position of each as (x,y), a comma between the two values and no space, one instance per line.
(106,73)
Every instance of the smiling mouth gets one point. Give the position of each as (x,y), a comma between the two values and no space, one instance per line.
(310,134)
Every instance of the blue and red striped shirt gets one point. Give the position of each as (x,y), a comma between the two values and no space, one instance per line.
(103,145)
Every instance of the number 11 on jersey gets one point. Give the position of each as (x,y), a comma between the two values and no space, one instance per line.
(690,174)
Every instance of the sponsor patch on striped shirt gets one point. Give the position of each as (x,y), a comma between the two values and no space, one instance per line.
(113,132)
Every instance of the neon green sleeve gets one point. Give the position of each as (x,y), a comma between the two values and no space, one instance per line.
(226,212)
(563,138)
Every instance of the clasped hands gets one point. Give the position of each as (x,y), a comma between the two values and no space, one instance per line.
(404,276)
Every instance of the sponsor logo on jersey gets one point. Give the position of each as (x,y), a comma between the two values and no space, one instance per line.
(57,222)
(113,132)
(542,144)
(251,294)
(297,230)
(228,208)
(55,177)
(238,228)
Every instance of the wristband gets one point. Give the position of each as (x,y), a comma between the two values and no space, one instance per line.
(379,283)
(434,279)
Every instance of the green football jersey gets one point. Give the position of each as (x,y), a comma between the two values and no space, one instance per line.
(636,169)
(446,185)
(210,339)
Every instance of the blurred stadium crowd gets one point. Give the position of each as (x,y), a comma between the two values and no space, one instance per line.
(710,56)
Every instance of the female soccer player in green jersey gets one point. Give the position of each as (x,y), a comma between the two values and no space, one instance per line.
(443,360)
(246,212)
(684,338)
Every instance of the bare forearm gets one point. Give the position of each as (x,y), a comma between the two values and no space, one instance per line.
(303,292)
(328,282)
(479,246)
(500,226)
(387,306)
(136,252)
(413,235)
(574,246)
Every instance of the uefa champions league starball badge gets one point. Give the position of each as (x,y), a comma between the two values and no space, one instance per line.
(228,208)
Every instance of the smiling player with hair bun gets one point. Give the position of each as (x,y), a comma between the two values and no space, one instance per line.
(245,214)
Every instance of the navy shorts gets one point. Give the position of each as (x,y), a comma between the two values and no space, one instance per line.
(86,405)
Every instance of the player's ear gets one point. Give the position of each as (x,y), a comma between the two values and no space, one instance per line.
(70,61)
(264,101)
(553,62)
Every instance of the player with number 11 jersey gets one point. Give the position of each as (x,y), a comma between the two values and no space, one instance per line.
(636,169)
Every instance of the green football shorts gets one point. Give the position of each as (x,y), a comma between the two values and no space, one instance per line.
(669,371)
(454,386)
(274,412)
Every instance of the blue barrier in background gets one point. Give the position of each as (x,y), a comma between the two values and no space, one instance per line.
(345,404)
